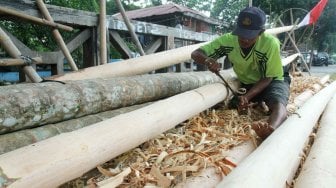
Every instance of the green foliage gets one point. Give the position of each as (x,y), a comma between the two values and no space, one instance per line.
(87,5)
(228,10)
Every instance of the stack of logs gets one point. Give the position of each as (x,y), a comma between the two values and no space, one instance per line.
(209,142)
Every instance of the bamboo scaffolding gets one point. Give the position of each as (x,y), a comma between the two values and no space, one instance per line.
(34,19)
(270,164)
(41,166)
(318,169)
(57,35)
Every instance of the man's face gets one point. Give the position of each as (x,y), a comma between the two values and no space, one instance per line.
(246,43)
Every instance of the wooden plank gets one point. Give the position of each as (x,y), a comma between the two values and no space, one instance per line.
(154,46)
(33,19)
(120,45)
(89,19)
(79,39)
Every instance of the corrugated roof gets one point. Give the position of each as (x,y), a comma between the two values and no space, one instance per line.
(163,10)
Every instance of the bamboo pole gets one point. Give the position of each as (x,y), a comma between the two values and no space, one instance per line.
(129,27)
(319,169)
(19,62)
(32,105)
(18,139)
(34,19)
(14,52)
(270,164)
(84,149)
(57,35)
(102,24)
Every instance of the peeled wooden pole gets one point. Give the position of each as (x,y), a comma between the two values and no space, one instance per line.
(143,64)
(57,36)
(289,59)
(319,169)
(34,19)
(18,139)
(14,52)
(77,152)
(210,177)
(31,105)
(269,165)
(278,30)
(309,92)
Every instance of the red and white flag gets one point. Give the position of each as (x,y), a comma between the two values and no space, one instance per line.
(314,14)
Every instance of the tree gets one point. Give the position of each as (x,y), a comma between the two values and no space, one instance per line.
(228,10)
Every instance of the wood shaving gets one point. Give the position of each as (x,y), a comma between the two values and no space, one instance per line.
(192,146)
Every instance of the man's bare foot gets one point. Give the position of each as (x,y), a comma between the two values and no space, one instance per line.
(262,129)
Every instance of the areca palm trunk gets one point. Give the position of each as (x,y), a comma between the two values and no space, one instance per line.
(31,105)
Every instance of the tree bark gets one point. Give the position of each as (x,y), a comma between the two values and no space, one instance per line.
(30,105)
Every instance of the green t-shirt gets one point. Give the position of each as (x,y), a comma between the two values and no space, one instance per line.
(263,61)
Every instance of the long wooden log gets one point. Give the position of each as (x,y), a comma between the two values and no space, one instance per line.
(18,139)
(29,105)
(210,177)
(35,19)
(134,66)
(81,150)
(269,165)
(319,169)
(303,97)
(140,65)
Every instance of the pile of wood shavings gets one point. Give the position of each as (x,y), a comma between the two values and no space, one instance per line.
(185,151)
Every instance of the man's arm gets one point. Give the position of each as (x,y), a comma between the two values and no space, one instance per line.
(199,57)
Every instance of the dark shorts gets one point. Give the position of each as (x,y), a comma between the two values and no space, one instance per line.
(277,91)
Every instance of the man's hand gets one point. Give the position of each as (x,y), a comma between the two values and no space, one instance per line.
(212,65)
(243,101)
(243,104)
